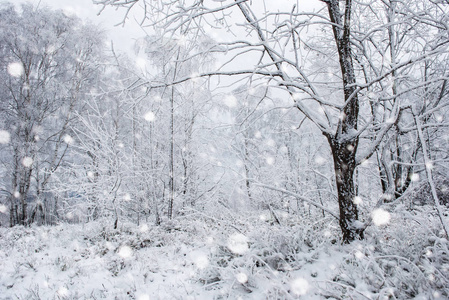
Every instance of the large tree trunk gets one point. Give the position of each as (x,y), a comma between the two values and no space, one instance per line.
(21,183)
(345,140)
(344,168)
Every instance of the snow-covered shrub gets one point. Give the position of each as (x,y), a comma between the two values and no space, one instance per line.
(408,258)
(220,256)
(422,195)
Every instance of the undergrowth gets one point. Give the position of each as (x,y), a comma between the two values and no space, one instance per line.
(245,256)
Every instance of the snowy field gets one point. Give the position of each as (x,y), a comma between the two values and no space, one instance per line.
(203,257)
(266,136)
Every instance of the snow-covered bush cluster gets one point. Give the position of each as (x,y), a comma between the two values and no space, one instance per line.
(200,256)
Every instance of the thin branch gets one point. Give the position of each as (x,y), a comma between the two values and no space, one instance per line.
(428,164)
(297,196)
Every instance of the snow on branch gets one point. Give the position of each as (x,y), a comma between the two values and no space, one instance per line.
(298,197)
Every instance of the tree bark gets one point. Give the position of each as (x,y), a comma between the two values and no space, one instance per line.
(344,168)
(171,183)
(344,142)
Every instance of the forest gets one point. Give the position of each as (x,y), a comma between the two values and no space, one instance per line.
(246,149)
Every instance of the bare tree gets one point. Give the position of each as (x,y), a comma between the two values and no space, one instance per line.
(179,107)
(272,46)
(46,60)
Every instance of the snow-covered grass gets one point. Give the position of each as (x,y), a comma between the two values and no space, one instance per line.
(197,256)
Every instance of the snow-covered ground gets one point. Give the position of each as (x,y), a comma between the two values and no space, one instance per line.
(245,257)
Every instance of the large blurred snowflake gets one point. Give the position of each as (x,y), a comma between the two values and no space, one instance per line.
(238,243)
(299,286)
(5,137)
(380,217)
(15,69)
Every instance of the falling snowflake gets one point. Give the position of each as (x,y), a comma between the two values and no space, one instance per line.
(429,165)
(201,261)
(372,95)
(16,194)
(359,254)
(3,208)
(390,120)
(144,228)
(182,41)
(125,252)
(127,197)
(69,11)
(110,246)
(149,116)
(270,142)
(141,63)
(230,101)
(143,297)
(238,243)
(63,292)
(68,139)
(357,200)
(195,77)
(380,217)
(15,69)
(5,137)
(27,161)
(242,278)
(319,160)
(270,160)
(299,286)
(283,149)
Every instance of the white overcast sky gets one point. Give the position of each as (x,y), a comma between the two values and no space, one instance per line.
(123,37)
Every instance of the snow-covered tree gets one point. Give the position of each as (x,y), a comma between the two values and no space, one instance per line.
(272,43)
(46,59)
